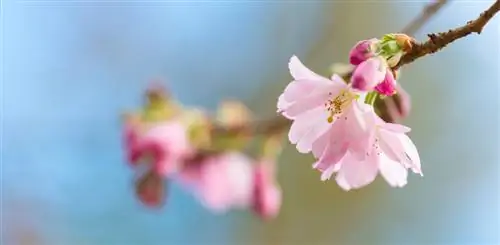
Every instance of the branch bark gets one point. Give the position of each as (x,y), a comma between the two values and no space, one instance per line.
(440,40)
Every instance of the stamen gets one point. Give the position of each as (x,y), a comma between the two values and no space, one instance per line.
(337,104)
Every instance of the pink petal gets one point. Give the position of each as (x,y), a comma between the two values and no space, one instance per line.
(338,81)
(305,144)
(354,174)
(312,101)
(388,85)
(319,146)
(361,51)
(334,152)
(267,194)
(399,147)
(393,172)
(360,131)
(327,174)
(412,153)
(304,122)
(301,72)
(369,74)
(396,128)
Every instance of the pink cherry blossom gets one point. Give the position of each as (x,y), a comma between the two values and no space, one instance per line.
(368,74)
(391,152)
(362,51)
(165,143)
(267,194)
(220,182)
(315,103)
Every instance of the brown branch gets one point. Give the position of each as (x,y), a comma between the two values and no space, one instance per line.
(440,40)
(277,124)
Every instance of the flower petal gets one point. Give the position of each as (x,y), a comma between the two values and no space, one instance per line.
(300,72)
(393,172)
(304,122)
(354,174)
(396,128)
(399,147)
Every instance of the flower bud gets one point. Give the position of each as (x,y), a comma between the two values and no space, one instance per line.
(388,85)
(361,51)
(150,189)
(404,41)
(369,74)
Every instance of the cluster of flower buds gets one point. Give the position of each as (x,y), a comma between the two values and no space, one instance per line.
(167,142)
(337,122)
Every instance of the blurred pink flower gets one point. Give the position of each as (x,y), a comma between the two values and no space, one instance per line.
(220,182)
(316,104)
(390,151)
(165,144)
(267,193)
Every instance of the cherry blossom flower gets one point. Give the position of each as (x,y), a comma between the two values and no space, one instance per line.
(316,104)
(267,193)
(220,182)
(391,152)
(164,143)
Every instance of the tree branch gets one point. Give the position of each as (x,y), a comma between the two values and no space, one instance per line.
(429,11)
(440,40)
(277,124)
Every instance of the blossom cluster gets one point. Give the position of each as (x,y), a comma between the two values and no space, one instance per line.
(337,122)
(334,119)
(164,142)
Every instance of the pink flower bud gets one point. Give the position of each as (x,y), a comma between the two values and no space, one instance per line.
(150,189)
(267,194)
(361,51)
(388,86)
(369,74)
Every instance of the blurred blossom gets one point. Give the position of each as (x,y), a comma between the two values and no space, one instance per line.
(233,113)
(267,193)
(165,144)
(221,182)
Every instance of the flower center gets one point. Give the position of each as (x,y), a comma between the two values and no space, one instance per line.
(337,104)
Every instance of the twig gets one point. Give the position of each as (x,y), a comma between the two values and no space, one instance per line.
(440,40)
(429,11)
(277,124)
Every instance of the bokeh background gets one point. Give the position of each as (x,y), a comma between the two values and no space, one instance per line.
(71,67)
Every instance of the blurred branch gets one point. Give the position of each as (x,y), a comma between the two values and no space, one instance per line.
(277,124)
(440,40)
(429,11)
